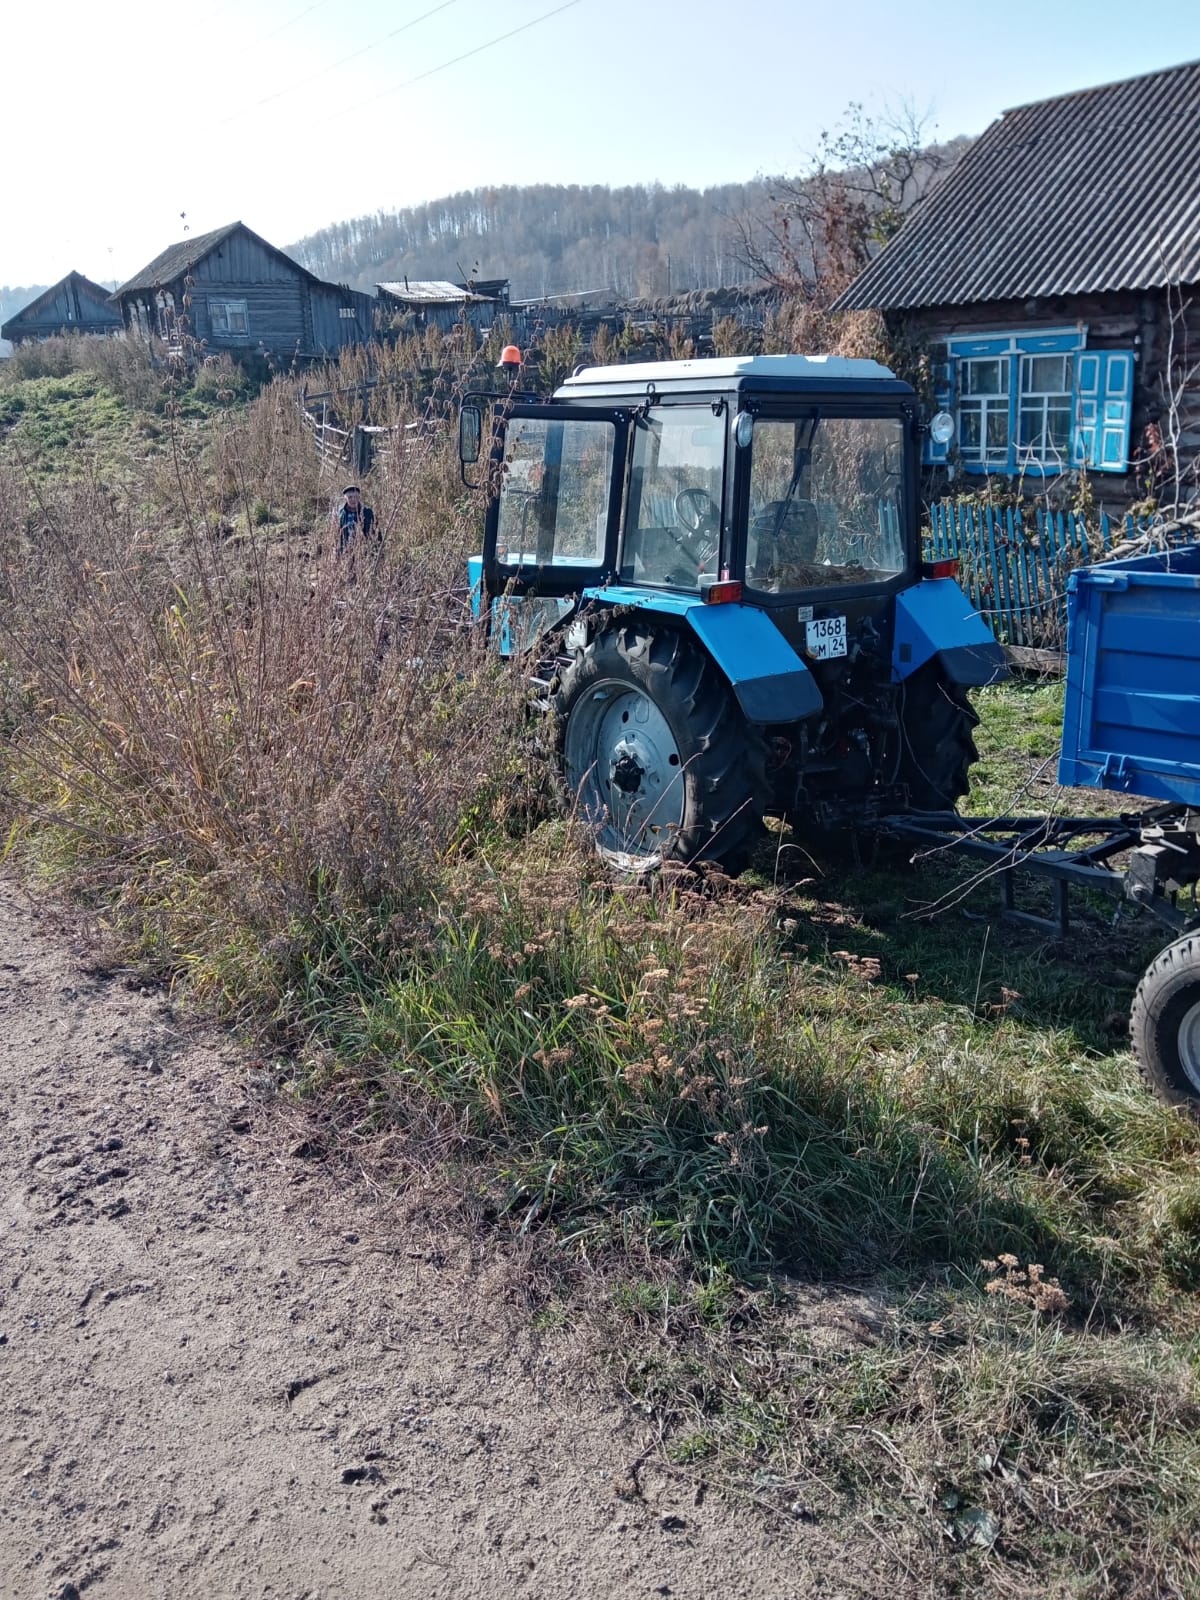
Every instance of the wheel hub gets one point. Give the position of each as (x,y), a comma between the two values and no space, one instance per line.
(622,759)
(627,772)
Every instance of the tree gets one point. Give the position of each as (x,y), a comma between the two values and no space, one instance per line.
(824,226)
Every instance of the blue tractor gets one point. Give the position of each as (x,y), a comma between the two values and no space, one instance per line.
(714,567)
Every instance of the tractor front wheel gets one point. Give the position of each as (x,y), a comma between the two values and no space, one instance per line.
(656,750)
(1165,1024)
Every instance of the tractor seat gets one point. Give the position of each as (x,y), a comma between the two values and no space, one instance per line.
(794,544)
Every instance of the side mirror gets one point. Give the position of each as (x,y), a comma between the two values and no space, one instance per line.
(470,434)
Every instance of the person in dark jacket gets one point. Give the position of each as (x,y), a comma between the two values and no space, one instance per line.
(355,521)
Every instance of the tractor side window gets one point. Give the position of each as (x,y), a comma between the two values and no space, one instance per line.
(826,502)
(555,482)
(673,527)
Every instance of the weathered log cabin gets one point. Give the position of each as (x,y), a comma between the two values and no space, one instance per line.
(1054,280)
(231,290)
(72,305)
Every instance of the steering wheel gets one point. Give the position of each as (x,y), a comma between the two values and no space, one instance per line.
(695,511)
(698,536)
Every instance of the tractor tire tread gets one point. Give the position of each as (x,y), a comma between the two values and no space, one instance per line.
(939,744)
(1170,985)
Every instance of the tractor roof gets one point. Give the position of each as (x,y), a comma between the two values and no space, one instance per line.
(732,372)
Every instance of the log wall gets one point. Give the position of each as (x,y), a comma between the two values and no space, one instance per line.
(1163,330)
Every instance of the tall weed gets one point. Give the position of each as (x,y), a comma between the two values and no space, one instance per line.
(235,731)
(122,365)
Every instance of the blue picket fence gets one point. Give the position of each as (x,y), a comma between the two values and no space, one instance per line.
(1016,572)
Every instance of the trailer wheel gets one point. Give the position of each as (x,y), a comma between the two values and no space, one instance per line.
(937,724)
(1165,1024)
(656,750)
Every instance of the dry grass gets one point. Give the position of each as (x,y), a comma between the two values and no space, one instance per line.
(224,729)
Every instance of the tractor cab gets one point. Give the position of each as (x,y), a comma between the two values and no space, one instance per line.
(793,477)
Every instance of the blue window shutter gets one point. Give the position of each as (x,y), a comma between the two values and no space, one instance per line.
(943,395)
(1117,407)
(1103,408)
(1087,408)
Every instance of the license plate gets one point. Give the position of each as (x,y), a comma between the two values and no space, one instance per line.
(826,637)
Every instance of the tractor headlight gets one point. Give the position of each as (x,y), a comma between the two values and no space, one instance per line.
(941,428)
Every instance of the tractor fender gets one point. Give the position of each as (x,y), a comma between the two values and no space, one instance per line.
(769,680)
(936,619)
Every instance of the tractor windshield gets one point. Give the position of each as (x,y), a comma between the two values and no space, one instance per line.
(826,502)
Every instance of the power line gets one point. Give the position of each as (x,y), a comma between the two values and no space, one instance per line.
(291,21)
(238,7)
(293,88)
(467,54)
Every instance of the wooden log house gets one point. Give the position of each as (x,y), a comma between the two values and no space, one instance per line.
(233,291)
(72,305)
(1054,280)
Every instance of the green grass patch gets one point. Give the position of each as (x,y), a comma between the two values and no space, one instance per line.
(698,1073)
(68,425)
(1018,741)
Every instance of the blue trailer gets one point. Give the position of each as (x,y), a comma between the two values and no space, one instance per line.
(1131,725)
(1132,716)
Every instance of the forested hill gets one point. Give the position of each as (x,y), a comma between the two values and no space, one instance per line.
(548,239)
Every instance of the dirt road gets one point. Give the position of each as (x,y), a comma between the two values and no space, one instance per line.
(224,1374)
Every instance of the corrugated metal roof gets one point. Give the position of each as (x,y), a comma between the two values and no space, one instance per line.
(180,258)
(1092,191)
(426,291)
(433,291)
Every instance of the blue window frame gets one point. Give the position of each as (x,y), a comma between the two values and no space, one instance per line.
(985,411)
(1034,403)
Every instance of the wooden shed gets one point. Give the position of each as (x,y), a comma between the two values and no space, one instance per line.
(1054,278)
(233,291)
(439,303)
(72,305)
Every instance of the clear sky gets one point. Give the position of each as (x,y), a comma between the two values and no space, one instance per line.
(131,122)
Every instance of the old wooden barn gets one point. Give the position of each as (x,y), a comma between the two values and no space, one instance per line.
(439,303)
(234,291)
(1054,277)
(72,305)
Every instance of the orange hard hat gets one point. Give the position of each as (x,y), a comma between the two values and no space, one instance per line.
(510,356)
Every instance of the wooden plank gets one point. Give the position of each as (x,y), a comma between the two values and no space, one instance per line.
(997,566)
(1047,663)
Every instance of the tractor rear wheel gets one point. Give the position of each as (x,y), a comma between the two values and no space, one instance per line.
(1165,1024)
(937,724)
(656,750)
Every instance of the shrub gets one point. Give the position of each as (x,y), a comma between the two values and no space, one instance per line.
(221,380)
(122,365)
